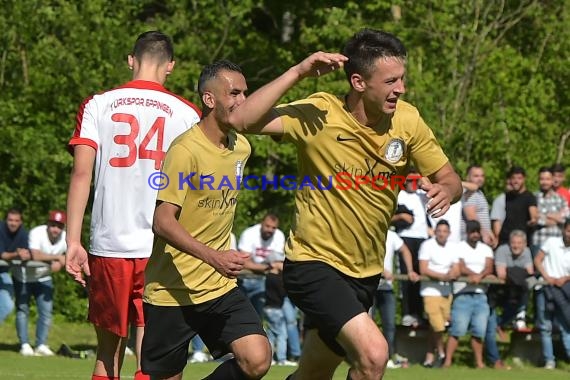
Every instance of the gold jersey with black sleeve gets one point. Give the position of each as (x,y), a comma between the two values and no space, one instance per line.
(202,180)
(337,221)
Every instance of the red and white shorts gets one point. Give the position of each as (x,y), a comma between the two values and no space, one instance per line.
(115,293)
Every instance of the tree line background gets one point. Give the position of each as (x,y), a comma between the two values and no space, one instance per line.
(491,78)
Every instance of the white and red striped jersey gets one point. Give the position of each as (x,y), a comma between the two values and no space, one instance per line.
(131,128)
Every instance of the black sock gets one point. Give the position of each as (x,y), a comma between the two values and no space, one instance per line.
(228,370)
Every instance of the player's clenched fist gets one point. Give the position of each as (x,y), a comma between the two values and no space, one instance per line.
(229,263)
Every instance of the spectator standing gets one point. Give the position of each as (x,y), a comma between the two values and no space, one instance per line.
(413,236)
(475,206)
(498,212)
(385,301)
(275,296)
(13,246)
(552,210)
(470,310)
(439,262)
(520,207)
(558,172)
(263,242)
(291,312)
(552,302)
(33,279)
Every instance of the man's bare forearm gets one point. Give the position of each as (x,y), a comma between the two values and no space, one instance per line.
(257,109)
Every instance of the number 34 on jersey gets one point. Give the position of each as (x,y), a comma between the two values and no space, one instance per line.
(143,151)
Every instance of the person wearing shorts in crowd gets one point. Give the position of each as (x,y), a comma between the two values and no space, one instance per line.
(470,309)
(439,262)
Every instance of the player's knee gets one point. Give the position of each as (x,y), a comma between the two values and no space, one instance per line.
(256,364)
(372,361)
(255,369)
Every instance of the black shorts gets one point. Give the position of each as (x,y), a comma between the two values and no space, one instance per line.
(169,330)
(328,297)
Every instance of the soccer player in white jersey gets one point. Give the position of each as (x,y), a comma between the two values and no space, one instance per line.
(124,133)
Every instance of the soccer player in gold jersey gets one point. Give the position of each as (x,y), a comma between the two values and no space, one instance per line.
(336,246)
(190,279)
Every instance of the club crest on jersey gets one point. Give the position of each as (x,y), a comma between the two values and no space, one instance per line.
(239,169)
(394,150)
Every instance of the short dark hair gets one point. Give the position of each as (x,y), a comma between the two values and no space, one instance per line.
(14,211)
(366,46)
(272,216)
(154,44)
(545,169)
(472,226)
(566,223)
(442,222)
(558,168)
(473,166)
(212,70)
(516,170)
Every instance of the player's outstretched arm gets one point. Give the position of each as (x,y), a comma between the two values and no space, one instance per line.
(165,224)
(255,115)
(78,194)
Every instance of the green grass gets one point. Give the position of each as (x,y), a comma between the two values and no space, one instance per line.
(81,336)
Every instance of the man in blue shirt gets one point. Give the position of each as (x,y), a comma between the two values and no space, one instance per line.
(13,246)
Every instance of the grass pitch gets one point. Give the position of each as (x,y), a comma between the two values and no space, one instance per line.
(13,366)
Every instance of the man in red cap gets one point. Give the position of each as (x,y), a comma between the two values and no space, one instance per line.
(47,245)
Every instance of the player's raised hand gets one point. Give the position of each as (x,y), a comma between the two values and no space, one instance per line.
(320,63)
(76,263)
(229,263)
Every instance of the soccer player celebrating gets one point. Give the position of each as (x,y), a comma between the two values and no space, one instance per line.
(336,247)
